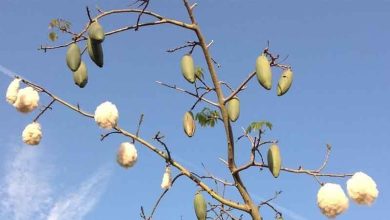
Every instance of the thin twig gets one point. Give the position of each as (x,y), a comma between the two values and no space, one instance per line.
(162,195)
(185,91)
(45,109)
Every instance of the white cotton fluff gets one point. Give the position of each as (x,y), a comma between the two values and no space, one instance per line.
(27,100)
(166,180)
(127,155)
(106,115)
(32,134)
(362,189)
(12,91)
(332,200)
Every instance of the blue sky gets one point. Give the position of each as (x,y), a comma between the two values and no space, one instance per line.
(339,51)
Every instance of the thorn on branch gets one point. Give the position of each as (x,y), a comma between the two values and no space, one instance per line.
(193,6)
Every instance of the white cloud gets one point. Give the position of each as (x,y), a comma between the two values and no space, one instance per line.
(77,204)
(26,191)
(287,212)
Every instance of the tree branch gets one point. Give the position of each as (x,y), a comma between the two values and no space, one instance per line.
(160,153)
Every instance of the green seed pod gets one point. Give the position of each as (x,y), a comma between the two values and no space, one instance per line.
(80,76)
(200,206)
(233,108)
(95,51)
(263,72)
(73,57)
(285,82)
(188,68)
(96,32)
(189,124)
(274,160)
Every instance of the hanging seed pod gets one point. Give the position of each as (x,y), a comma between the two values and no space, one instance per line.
(263,72)
(95,51)
(274,160)
(189,124)
(80,76)
(96,32)
(73,57)
(188,68)
(285,82)
(233,108)
(200,206)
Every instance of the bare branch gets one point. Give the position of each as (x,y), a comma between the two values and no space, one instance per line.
(190,93)
(45,109)
(160,20)
(154,149)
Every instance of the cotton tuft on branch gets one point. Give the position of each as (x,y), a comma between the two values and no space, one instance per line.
(32,134)
(12,91)
(27,100)
(332,200)
(166,180)
(362,189)
(127,155)
(106,115)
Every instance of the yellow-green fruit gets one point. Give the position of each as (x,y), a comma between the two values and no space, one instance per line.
(80,76)
(188,68)
(96,32)
(233,108)
(274,160)
(95,51)
(189,124)
(263,72)
(73,57)
(200,206)
(285,82)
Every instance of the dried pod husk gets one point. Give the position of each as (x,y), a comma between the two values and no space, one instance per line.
(80,76)
(73,57)
(263,72)
(285,82)
(96,32)
(95,51)
(274,160)
(188,68)
(200,206)
(233,108)
(189,124)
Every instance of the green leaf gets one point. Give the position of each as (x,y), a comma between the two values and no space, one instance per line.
(257,125)
(53,36)
(207,117)
(199,72)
